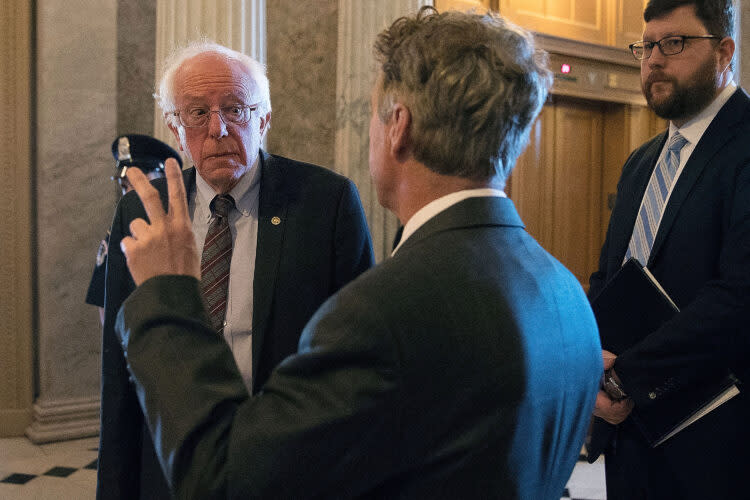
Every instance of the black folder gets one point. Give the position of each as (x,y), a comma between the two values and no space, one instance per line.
(631,306)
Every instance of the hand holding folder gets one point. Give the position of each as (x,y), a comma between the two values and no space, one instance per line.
(631,306)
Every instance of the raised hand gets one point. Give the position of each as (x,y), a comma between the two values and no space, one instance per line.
(166,245)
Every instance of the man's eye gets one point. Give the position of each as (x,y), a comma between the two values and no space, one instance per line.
(197,112)
(671,43)
(232,110)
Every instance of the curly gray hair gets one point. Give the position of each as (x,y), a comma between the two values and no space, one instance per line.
(473,83)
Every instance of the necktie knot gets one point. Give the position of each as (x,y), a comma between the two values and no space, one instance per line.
(677,142)
(221,204)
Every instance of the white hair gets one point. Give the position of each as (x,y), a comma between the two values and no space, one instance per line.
(165,96)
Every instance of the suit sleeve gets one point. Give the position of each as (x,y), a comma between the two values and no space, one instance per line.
(710,333)
(303,436)
(120,433)
(354,253)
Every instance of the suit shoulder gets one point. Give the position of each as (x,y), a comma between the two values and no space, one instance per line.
(304,170)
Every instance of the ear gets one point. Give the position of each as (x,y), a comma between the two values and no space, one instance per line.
(725,52)
(265,123)
(399,131)
(174,130)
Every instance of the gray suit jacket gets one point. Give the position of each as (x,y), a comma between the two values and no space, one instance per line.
(466,366)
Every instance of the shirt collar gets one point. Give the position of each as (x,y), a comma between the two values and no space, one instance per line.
(434,207)
(245,193)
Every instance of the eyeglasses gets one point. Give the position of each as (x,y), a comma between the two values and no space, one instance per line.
(199,116)
(668,46)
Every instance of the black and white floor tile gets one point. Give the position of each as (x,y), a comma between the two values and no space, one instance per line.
(67,470)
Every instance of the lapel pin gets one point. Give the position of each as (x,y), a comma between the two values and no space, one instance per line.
(275,221)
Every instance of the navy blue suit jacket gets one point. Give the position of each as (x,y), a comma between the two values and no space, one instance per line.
(321,243)
(465,366)
(701,256)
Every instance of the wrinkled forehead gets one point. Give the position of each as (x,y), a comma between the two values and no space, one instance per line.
(212,77)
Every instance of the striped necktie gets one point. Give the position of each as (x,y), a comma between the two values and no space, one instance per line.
(652,208)
(215,261)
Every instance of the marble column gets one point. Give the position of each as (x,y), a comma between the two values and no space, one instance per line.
(238,24)
(743,42)
(74,199)
(16,271)
(301,59)
(359,23)
(136,50)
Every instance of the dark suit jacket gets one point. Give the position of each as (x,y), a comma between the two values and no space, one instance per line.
(321,244)
(466,366)
(701,256)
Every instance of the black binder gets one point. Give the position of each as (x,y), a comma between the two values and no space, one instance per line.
(631,306)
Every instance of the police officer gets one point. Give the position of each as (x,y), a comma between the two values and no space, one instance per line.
(149,155)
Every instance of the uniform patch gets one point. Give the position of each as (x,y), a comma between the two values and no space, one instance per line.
(101,254)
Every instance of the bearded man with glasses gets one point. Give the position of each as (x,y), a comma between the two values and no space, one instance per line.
(683,210)
(278,237)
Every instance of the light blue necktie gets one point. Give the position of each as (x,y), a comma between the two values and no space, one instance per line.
(652,207)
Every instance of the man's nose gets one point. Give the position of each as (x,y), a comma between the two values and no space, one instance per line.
(657,57)
(216,125)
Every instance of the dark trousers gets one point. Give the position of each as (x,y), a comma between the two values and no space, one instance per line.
(708,460)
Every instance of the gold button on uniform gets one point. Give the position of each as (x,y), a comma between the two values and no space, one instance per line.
(275,221)
(652,395)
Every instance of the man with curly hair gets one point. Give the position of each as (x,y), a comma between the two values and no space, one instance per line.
(465,366)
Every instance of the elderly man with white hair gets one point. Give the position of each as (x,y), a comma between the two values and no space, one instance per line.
(277,238)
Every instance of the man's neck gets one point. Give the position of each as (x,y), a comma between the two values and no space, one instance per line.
(426,186)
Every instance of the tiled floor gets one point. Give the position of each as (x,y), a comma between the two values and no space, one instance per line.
(55,471)
(67,470)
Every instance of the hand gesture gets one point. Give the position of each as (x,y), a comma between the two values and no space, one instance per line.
(166,245)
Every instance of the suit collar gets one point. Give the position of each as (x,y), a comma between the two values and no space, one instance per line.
(438,205)
(722,130)
(272,213)
(471,212)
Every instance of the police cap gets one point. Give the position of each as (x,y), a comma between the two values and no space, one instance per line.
(141,151)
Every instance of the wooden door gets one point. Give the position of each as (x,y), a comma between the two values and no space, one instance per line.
(565,182)
(557,183)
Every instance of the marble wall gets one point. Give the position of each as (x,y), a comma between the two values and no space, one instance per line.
(76,119)
(136,67)
(301,61)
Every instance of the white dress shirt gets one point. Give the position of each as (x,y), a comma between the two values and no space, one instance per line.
(693,130)
(243,224)
(434,207)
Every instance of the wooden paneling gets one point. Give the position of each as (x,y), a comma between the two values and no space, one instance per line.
(565,182)
(628,21)
(464,5)
(557,183)
(531,185)
(585,20)
(577,179)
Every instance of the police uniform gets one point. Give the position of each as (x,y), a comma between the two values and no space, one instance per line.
(149,155)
